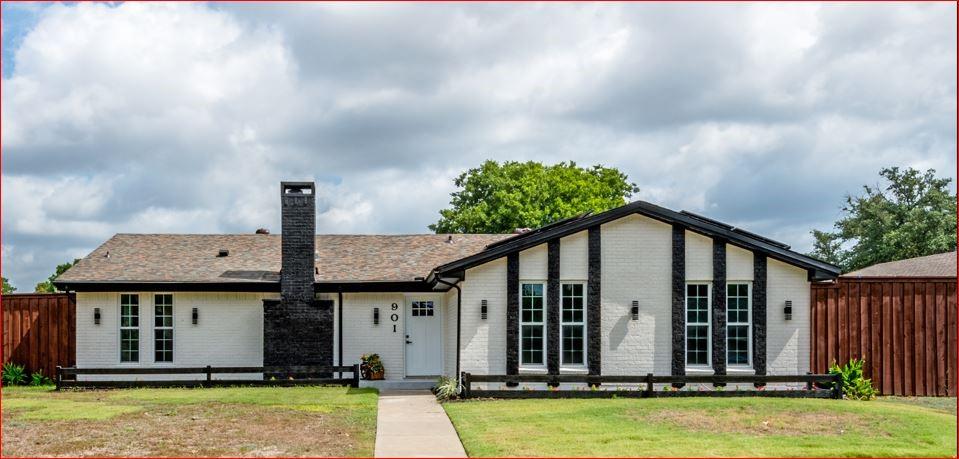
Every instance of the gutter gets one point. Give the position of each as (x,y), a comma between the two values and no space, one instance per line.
(459,318)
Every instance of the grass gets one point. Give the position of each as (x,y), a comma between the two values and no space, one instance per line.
(234,421)
(702,427)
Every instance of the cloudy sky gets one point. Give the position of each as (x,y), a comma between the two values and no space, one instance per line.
(184,118)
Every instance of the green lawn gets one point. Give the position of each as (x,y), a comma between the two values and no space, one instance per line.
(235,421)
(703,427)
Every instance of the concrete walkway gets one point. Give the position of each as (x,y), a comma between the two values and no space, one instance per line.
(411,423)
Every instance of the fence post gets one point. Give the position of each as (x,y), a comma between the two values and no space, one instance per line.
(837,386)
(809,383)
(209,375)
(356,375)
(59,376)
(467,385)
(649,384)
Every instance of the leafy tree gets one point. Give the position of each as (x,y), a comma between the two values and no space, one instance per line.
(47,285)
(913,216)
(498,198)
(7,288)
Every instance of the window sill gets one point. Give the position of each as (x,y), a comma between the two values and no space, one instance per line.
(740,371)
(574,370)
(533,371)
(699,371)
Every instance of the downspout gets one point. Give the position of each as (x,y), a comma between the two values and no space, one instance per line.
(339,326)
(459,315)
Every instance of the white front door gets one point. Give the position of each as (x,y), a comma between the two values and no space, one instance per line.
(424,337)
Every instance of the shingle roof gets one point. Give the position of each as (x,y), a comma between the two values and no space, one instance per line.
(939,265)
(256,257)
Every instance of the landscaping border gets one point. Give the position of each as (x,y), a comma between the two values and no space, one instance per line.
(291,374)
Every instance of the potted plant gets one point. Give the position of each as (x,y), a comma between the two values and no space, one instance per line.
(372,367)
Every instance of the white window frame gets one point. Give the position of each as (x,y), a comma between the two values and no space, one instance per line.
(709,325)
(748,324)
(533,366)
(171,328)
(120,328)
(562,342)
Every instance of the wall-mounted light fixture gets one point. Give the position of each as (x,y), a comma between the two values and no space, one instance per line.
(635,310)
(788,310)
(196,315)
(376,316)
(483,309)
(96,316)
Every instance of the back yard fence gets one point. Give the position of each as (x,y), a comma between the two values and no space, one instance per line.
(905,328)
(39,330)
(816,386)
(274,376)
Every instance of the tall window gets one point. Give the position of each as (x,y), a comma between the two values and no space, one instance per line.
(573,325)
(697,324)
(163,327)
(531,318)
(129,327)
(737,324)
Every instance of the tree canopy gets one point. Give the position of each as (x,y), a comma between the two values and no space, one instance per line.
(498,198)
(914,215)
(7,288)
(47,285)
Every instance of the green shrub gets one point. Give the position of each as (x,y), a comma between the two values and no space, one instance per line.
(854,385)
(13,374)
(39,379)
(447,388)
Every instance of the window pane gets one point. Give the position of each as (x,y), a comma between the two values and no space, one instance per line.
(572,344)
(531,341)
(737,345)
(697,345)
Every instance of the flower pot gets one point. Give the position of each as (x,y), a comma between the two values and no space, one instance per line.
(376,375)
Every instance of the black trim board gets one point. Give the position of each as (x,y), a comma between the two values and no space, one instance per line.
(817,269)
(264,287)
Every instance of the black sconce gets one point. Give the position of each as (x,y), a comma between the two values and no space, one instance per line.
(376,316)
(788,310)
(196,315)
(96,316)
(483,310)
(635,310)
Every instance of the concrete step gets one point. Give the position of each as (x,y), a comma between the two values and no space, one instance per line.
(399,384)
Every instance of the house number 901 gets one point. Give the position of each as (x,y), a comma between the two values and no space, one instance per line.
(394,317)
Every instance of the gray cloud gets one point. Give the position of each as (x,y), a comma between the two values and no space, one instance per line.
(183,117)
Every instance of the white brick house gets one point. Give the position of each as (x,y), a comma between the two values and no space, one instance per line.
(634,290)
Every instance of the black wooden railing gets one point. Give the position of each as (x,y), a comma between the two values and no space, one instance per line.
(276,376)
(817,386)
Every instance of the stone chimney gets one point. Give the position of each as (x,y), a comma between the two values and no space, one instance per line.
(298,329)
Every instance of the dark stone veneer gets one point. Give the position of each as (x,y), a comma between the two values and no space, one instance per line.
(759,313)
(719,306)
(552,307)
(594,344)
(512,314)
(297,329)
(679,300)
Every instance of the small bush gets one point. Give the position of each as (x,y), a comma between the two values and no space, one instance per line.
(447,389)
(39,379)
(13,374)
(854,385)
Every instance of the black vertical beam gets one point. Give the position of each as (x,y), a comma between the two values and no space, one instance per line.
(552,307)
(759,313)
(719,306)
(679,300)
(594,337)
(512,314)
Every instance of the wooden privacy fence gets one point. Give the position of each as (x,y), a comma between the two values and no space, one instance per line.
(286,376)
(817,386)
(905,328)
(39,330)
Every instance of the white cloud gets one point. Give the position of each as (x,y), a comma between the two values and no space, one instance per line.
(160,117)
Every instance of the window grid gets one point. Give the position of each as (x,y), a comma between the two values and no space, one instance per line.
(697,325)
(531,318)
(738,330)
(573,325)
(163,327)
(129,327)
(422,309)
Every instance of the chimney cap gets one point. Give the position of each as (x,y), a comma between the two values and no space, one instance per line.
(297,188)
(262,231)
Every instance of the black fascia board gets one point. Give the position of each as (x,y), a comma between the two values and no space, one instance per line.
(817,269)
(260,287)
